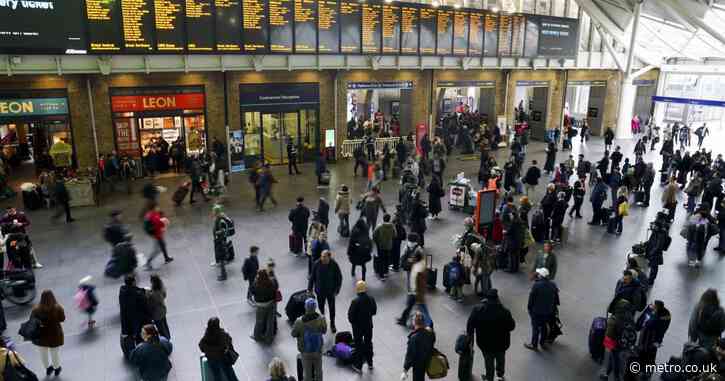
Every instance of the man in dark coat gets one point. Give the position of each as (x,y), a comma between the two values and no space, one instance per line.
(543,305)
(652,326)
(598,196)
(134,308)
(419,350)
(323,212)
(630,289)
(63,199)
(492,324)
(360,315)
(326,281)
(616,157)
(116,231)
(417,219)
(299,216)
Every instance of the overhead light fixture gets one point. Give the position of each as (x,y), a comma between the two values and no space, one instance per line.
(388,1)
(435,4)
(494,9)
(456,5)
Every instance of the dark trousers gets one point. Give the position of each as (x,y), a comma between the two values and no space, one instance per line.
(371,152)
(671,211)
(653,270)
(163,327)
(514,259)
(494,360)
(647,195)
(576,208)
(292,163)
(395,255)
(264,196)
(363,346)
(344,223)
(409,303)
(361,164)
(364,270)
(219,368)
(419,372)
(538,329)
(330,299)
(647,357)
(380,262)
(596,213)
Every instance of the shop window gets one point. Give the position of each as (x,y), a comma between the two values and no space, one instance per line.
(252,129)
(8,133)
(195,136)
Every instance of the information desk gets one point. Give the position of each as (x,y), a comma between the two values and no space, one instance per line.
(81,192)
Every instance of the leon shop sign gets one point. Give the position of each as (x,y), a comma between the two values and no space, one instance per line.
(33,107)
(126,103)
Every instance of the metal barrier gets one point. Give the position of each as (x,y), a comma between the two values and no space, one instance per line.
(349,145)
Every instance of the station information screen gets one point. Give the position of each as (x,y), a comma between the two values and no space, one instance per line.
(199,26)
(460,33)
(254,25)
(391,29)
(409,30)
(428,28)
(281,18)
(504,35)
(138,25)
(558,37)
(475,35)
(328,27)
(371,28)
(518,31)
(104,25)
(490,38)
(55,27)
(169,21)
(228,25)
(350,16)
(444,45)
(305,26)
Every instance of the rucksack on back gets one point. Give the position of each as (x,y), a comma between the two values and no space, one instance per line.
(81,299)
(311,341)
(230,226)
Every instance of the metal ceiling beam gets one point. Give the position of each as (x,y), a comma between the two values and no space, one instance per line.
(610,49)
(692,19)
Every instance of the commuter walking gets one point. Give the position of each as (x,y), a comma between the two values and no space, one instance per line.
(151,357)
(50,338)
(292,156)
(86,300)
(491,324)
(531,179)
(265,324)
(266,181)
(157,305)
(543,305)
(223,248)
(360,315)
(197,178)
(115,230)
(419,349)
(413,263)
(249,271)
(669,198)
(326,281)
(299,217)
(62,198)
(342,209)
(360,247)
(597,198)
(578,194)
(215,345)
(383,237)
(155,224)
(546,259)
(372,204)
(309,330)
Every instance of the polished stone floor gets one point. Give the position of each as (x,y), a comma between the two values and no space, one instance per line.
(589,265)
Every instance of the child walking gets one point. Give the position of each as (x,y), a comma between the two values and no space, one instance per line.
(86,299)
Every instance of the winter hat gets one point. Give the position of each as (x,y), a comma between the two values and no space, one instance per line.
(310,305)
(361,287)
(86,280)
(544,273)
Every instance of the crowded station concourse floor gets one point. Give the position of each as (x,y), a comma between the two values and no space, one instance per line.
(589,264)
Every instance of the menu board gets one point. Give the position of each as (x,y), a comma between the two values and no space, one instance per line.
(104,26)
(475,34)
(371,28)
(350,14)
(391,29)
(328,28)
(558,37)
(428,28)
(444,45)
(490,37)
(460,33)
(305,26)
(169,20)
(228,26)
(281,34)
(56,27)
(138,25)
(199,26)
(254,25)
(409,30)
(518,31)
(504,35)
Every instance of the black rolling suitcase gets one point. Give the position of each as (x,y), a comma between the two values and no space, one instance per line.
(639,197)
(180,193)
(612,225)
(432,272)
(32,200)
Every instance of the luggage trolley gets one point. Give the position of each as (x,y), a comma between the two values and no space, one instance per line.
(458,193)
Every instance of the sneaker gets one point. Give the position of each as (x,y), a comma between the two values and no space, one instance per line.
(356,368)
(37,265)
(531,347)
(690,263)
(147,267)
(169,260)
(213,264)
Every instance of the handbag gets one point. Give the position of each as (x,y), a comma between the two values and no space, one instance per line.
(18,372)
(277,295)
(30,330)
(230,356)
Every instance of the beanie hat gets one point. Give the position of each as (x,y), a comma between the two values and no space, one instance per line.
(310,305)
(86,280)
(361,287)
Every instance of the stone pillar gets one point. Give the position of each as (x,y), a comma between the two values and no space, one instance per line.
(627,96)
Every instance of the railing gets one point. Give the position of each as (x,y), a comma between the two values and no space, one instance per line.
(349,145)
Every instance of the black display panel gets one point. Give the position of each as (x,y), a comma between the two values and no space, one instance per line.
(305,26)
(328,27)
(350,27)
(428,28)
(490,37)
(444,42)
(531,41)
(53,27)
(558,37)
(254,26)
(371,28)
(409,18)
(518,30)
(169,21)
(228,25)
(104,25)
(475,35)
(504,35)
(281,34)
(137,20)
(460,33)
(391,29)
(199,26)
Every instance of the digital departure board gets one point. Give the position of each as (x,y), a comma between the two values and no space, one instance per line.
(199,26)
(104,25)
(428,28)
(408,30)
(504,35)
(281,34)
(138,25)
(444,45)
(305,26)
(169,21)
(490,37)
(371,28)
(518,30)
(52,27)
(558,37)
(460,33)
(228,25)
(475,35)
(254,25)
(391,29)
(350,26)
(531,41)
(328,27)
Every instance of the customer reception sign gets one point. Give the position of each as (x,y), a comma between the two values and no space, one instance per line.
(33,107)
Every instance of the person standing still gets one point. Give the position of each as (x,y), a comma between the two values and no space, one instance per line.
(309,330)
(299,217)
(157,305)
(63,199)
(214,344)
(155,225)
(51,338)
(419,349)
(360,315)
(197,178)
(326,281)
(292,156)
(383,237)
(492,324)
(542,306)
(249,272)
(342,209)
(223,248)
(531,180)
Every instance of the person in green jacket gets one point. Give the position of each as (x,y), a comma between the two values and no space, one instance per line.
(309,331)
(546,259)
(383,237)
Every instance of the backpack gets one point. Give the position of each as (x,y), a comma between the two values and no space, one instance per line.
(148,226)
(230,226)
(311,341)
(342,351)
(463,344)
(454,274)
(627,336)
(83,302)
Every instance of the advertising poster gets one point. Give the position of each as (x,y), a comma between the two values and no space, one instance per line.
(420,131)
(236,151)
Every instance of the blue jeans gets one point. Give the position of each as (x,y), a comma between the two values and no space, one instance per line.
(219,369)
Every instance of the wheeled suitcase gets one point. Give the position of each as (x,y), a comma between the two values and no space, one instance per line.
(612,225)
(344,337)
(296,304)
(596,338)
(639,197)
(295,243)
(180,193)
(432,273)
(206,373)
(32,199)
